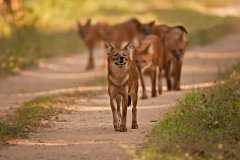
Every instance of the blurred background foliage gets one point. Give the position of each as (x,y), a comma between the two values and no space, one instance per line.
(45,28)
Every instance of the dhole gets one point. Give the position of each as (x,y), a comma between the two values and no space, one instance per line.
(149,58)
(91,35)
(122,84)
(175,43)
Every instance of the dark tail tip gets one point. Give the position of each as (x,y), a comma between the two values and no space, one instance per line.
(129,100)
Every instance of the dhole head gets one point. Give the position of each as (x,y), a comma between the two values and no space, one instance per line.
(176,42)
(83,29)
(147,28)
(119,56)
(142,56)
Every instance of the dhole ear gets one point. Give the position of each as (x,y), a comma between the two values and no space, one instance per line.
(181,28)
(88,22)
(108,46)
(128,46)
(136,42)
(152,23)
(145,48)
(79,24)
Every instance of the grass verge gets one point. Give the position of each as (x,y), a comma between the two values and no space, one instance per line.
(33,114)
(27,45)
(26,118)
(204,126)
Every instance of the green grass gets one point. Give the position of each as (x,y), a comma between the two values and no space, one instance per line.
(204,126)
(48,26)
(203,28)
(27,45)
(26,118)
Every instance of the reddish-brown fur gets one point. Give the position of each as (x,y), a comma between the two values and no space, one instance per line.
(122,85)
(175,43)
(149,58)
(122,32)
(91,35)
(116,34)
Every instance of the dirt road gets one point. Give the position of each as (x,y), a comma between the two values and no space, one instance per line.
(86,132)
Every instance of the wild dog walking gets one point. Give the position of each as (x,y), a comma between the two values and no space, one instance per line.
(122,32)
(175,43)
(126,31)
(122,84)
(149,58)
(91,35)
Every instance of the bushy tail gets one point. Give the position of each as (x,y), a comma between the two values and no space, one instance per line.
(129,101)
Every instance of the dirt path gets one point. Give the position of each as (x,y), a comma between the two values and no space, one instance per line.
(86,132)
(53,76)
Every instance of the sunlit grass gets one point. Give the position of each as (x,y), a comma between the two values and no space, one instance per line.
(205,125)
(27,45)
(29,116)
(26,118)
(48,28)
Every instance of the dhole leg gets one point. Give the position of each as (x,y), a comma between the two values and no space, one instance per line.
(168,76)
(123,127)
(153,81)
(134,112)
(144,92)
(118,100)
(90,64)
(104,63)
(177,76)
(160,81)
(114,113)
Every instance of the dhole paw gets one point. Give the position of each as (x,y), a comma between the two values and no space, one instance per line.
(89,67)
(117,127)
(123,128)
(144,96)
(160,92)
(178,89)
(154,95)
(134,125)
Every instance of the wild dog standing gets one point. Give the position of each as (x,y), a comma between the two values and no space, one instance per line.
(175,43)
(122,85)
(126,31)
(122,32)
(149,58)
(91,35)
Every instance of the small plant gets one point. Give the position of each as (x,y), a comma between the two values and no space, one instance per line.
(204,125)
(26,118)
